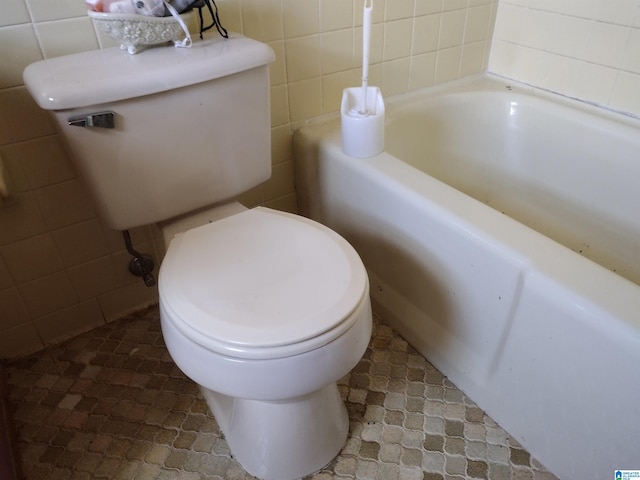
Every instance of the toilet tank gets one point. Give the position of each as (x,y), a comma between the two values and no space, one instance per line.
(191,126)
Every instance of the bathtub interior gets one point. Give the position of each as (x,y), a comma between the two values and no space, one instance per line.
(573,178)
(539,336)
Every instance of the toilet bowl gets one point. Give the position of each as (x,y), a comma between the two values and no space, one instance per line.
(266,311)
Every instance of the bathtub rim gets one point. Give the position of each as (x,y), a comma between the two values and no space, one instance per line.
(574,269)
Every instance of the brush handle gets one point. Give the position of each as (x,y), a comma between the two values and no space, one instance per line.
(366,43)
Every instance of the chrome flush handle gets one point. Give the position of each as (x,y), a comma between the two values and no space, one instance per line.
(98,119)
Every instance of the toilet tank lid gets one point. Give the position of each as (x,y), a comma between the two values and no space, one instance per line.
(104,76)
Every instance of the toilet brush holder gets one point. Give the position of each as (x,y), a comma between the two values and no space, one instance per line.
(362,122)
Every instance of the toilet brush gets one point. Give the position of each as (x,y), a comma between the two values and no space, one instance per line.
(362,108)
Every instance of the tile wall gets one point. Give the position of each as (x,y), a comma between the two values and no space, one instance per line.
(63,272)
(587,49)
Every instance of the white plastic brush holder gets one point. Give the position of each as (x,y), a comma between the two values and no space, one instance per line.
(362,128)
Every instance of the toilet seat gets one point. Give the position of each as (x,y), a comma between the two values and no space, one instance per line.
(261,284)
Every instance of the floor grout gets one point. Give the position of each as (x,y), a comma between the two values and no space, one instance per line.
(112,404)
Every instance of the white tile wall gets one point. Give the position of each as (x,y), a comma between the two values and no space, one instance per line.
(588,49)
(61,270)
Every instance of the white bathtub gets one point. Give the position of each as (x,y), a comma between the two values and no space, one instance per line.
(501,231)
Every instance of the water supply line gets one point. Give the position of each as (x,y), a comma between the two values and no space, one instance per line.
(141,265)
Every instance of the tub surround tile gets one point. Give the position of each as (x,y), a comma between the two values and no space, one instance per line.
(572,48)
(397,35)
(111,403)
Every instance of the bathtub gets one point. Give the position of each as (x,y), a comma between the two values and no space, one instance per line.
(501,232)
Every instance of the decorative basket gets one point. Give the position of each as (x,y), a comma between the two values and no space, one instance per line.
(136,32)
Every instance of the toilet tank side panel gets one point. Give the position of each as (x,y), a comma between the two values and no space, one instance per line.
(175,151)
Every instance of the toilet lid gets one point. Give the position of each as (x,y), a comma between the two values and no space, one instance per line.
(261,282)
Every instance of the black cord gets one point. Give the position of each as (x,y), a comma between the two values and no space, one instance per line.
(215,17)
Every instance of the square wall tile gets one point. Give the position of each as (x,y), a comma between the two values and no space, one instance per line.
(281,182)
(335,15)
(279,105)
(21,220)
(478,24)
(263,19)
(252,198)
(69,322)
(306,99)
(5,279)
(303,58)
(64,37)
(622,12)
(448,64)
(80,242)
(14,12)
(13,310)
(397,39)
(45,10)
(93,278)
(41,162)
(631,57)
(19,341)
(423,68)
(395,76)
(595,82)
(19,49)
(626,93)
(277,69)
(48,294)
(22,117)
(397,9)
(124,300)
(337,51)
(606,44)
(333,85)
(286,204)
(473,58)
(452,29)
(65,203)
(280,144)
(428,7)
(510,23)
(301,17)
(568,36)
(448,5)
(426,31)
(32,258)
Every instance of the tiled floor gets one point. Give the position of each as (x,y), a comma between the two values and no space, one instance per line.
(111,404)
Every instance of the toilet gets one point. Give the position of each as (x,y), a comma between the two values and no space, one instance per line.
(264,310)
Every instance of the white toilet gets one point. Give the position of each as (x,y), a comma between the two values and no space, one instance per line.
(263,309)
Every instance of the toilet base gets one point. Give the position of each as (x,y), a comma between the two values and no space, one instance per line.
(283,440)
